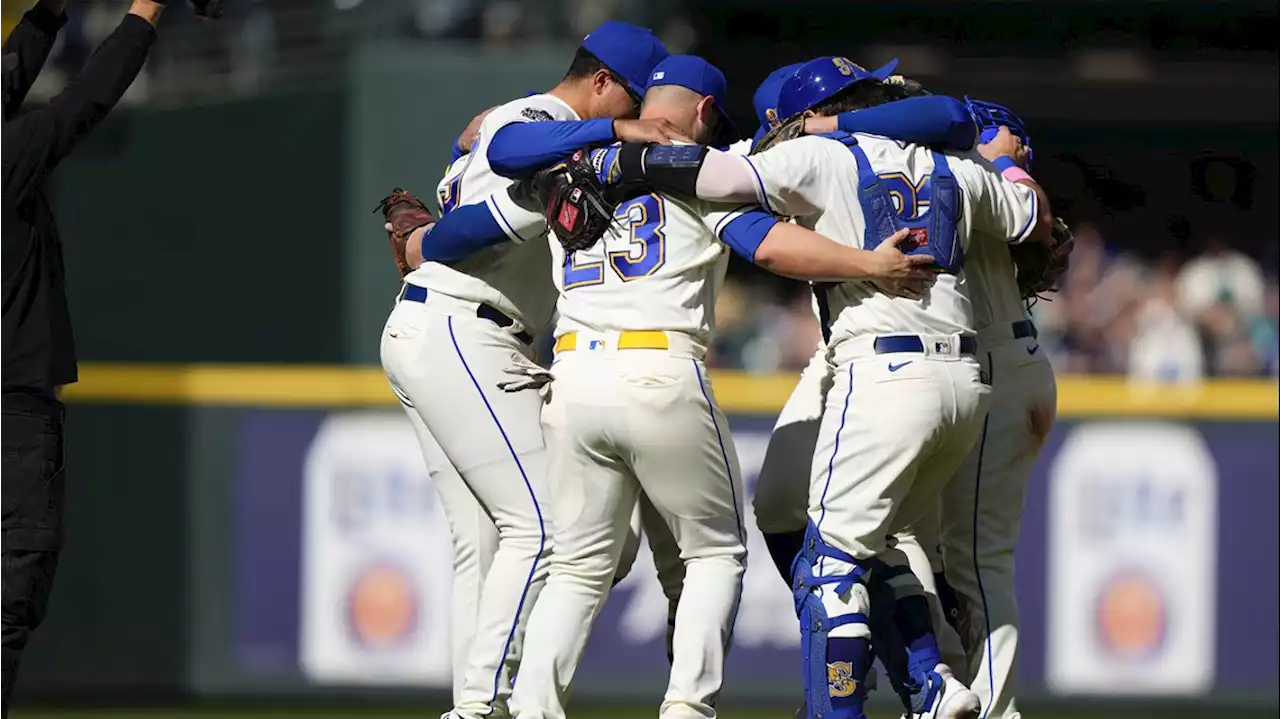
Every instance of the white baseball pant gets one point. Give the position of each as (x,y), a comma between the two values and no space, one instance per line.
(619,422)
(982,512)
(475,541)
(895,429)
(647,520)
(781,504)
(444,363)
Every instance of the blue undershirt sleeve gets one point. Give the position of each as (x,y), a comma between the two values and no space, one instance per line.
(521,147)
(929,120)
(744,233)
(463,232)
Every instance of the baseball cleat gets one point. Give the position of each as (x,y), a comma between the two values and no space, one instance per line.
(944,697)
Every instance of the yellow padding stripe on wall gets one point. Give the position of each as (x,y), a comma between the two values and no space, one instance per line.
(322,386)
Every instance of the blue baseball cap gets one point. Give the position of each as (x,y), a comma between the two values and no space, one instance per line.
(702,77)
(820,79)
(990,116)
(765,100)
(628,50)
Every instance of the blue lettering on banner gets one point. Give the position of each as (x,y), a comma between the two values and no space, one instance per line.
(362,497)
(1131,505)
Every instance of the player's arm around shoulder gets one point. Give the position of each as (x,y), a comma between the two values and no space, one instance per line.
(534,131)
(791,177)
(790,250)
(1005,200)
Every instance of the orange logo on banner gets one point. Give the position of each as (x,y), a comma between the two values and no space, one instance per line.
(1131,616)
(382,606)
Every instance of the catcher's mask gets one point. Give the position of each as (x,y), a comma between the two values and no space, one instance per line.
(10,64)
(991,116)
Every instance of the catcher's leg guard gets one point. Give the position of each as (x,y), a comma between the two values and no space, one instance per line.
(835,668)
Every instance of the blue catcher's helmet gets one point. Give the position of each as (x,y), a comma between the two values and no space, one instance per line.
(820,79)
(765,100)
(991,116)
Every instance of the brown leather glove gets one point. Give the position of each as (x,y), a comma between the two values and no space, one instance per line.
(403,213)
(1040,267)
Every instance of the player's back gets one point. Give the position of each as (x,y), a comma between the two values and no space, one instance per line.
(659,267)
(510,276)
(831,201)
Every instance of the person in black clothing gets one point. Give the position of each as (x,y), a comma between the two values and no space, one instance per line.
(38,352)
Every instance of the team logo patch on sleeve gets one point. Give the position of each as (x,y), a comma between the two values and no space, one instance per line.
(840,682)
(536,115)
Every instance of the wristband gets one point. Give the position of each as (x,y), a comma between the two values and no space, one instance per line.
(1016,174)
(1003,163)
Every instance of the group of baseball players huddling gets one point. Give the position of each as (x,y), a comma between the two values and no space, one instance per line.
(893,485)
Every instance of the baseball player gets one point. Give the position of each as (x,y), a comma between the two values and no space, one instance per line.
(781,499)
(781,496)
(468,229)
(885,451)
(630,409)
(982,505)
(459,328)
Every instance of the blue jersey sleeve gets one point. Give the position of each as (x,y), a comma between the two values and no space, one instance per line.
(929,120)
(744,233)
(462,233)
(520,147)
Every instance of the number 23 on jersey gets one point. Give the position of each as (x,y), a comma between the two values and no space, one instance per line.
(638,253)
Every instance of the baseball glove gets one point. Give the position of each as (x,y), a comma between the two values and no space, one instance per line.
(403,213)
(576,204)
(1039,267)
(788,130)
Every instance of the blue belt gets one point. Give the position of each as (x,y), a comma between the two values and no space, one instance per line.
(1023,329)
(484,311)
(887,344)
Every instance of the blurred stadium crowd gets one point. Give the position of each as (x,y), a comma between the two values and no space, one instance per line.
(273,43)
(1216,314)
(1210,308)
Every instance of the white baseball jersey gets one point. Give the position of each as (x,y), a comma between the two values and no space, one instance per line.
(511,277)
(815,179)
(741,147)
(670,242)
(995,295)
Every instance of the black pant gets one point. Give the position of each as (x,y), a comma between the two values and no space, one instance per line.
(34,484)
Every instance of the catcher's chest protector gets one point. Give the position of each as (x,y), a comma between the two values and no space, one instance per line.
(934,233)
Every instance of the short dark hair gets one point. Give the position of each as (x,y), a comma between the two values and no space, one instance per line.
(858,96)
(584,65)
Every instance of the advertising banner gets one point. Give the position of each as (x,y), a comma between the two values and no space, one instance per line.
(375,557)
(1147,564)
(1132,551)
